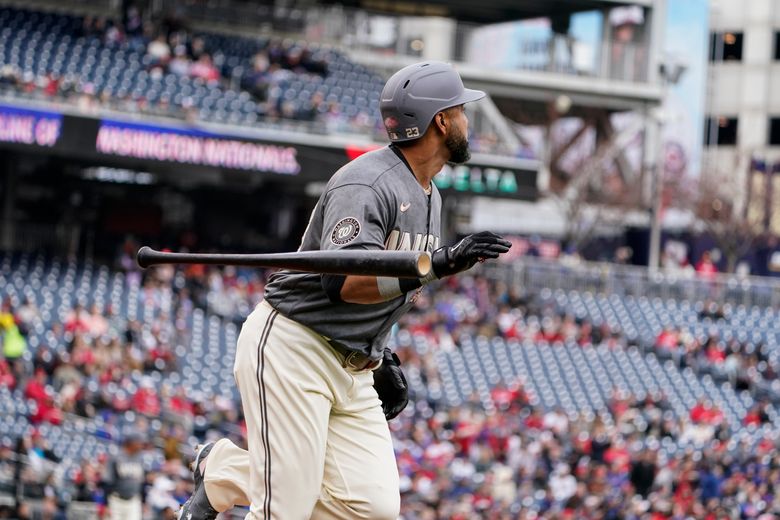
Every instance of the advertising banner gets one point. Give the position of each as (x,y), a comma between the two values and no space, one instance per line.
(29,127)
(192,146)
(112,142)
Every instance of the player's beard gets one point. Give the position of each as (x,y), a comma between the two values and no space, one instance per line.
(458,145)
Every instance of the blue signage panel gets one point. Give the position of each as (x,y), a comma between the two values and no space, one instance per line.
(29,127)
(193,146)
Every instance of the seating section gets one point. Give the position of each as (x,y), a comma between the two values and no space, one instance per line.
(643,319)
(120,72)
(570,376)
(580,379)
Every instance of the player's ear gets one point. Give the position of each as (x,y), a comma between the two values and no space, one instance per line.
(441,122)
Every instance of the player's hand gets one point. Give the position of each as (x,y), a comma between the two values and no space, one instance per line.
(450,260)
(390,385)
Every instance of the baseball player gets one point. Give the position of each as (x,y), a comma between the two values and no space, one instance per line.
(124,479)
(317,383)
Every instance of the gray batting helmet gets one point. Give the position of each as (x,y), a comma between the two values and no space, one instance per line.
(414,94)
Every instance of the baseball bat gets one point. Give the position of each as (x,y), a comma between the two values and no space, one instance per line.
(399,264)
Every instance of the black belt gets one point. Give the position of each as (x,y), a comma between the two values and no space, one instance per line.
(354,359)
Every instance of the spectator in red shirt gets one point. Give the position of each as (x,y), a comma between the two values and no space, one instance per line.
(7,378)
(706,268)
(535,420)
(617,455)
(667,339)
(706,413)
(756,415)
(180,403)
(698,412)
(36,387)
(716,353)
(145,400)
(504,397)
(551,330)
(77,320)
(47,411)
(52,85)
(204,69)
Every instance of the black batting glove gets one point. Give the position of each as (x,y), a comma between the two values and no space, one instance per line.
(449,260)
(390,385)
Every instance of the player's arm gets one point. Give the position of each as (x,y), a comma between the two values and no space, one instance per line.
(108,478)
(446,261)
(368,231)
(354,217)
(361,289)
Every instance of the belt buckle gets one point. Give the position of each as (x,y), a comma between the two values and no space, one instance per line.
(355,359)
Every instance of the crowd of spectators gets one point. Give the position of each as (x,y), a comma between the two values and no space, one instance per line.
(524,462)
(746,365)
(455,462)
(98,367)
(170,47)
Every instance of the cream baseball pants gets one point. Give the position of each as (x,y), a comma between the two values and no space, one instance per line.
(125,509)
(319,444)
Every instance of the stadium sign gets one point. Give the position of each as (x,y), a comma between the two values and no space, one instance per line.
(490,177)
(478,180)
(140,141)
(29,127)
(147,146)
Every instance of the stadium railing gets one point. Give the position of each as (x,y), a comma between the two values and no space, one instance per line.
(534,274)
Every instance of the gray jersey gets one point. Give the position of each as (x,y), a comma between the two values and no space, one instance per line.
(373,202)
(125,476)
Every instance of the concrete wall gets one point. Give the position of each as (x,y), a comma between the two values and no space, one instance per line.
(437,35)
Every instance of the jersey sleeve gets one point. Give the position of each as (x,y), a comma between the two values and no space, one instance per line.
(108,477)
(354,217)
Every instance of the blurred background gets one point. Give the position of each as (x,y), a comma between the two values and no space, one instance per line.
(621,362)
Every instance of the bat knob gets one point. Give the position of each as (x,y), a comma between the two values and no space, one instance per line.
(144,256)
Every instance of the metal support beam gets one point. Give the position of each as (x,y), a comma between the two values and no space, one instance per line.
(625,170)
(654,255)
(561,150)
(504,131)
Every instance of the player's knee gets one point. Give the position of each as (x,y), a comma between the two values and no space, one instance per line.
(375,504)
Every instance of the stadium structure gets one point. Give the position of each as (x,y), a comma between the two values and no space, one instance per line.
(743,132)
(541,387)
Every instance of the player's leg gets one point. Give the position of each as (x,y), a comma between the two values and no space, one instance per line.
(121,509)
(137,509)
(226,475)
(226,470)
(287,392)
(115,508)
(361,475)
